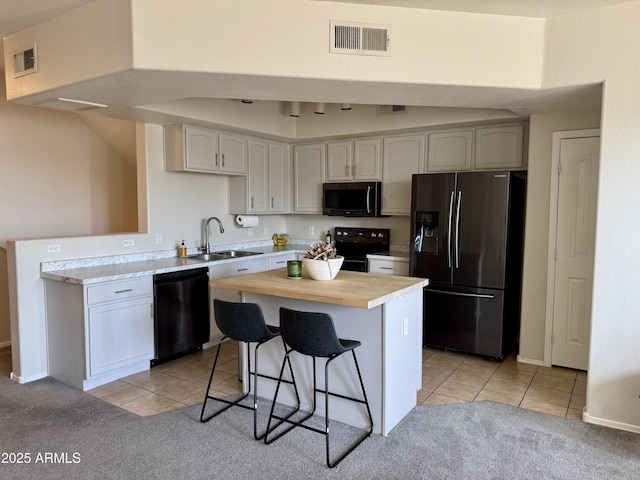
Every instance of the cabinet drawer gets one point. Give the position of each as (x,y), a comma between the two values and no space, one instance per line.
(389,267)
(281,260)
(242,267)
(115,291)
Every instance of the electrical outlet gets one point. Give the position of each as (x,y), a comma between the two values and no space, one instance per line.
(159,239)
(266,231)
(129,242)
(250,232)
(311,230)
(54,248)
(405,327)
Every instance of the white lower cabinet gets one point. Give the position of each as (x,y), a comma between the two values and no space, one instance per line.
(119,334)
(99,333)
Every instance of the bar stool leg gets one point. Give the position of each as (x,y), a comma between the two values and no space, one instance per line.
(331,464)
(282,420)
(207,397)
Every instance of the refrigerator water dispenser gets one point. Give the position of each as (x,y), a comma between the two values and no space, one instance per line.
(426,240)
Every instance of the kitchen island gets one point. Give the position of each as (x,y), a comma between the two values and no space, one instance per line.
(384,312)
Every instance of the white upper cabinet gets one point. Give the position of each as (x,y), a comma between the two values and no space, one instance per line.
(354,160)
(450,151)
(499,147)
(403,156)
(233,153)
(266,188)
(279,178)
(258,177)
(197,149)
(309,167)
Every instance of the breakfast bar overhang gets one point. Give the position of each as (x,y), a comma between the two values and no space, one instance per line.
(383,312)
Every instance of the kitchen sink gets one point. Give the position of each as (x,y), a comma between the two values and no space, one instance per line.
(223,255)
(208,257)
(237,253)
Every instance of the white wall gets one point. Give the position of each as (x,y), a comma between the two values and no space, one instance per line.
(605,45)
(58,178)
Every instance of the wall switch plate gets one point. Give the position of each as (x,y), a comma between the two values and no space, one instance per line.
(266,231)
(311,230)
(129,243)
(54,248)
(250,232)
(159,239)
(405,327)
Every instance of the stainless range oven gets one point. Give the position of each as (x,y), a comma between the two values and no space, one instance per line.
(355,243)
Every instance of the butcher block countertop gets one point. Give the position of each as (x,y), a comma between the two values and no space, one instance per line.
(350,289)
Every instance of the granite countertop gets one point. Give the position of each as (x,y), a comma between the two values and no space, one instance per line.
(88,271)
(349,289)
(395,255)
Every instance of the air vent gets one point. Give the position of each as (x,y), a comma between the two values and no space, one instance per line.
(360,38)
(391,109)
(25,62)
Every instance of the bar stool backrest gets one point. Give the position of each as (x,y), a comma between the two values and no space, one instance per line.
(310,333)
(243,322)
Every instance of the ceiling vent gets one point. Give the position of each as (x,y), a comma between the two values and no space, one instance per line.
(360,38)
(391,109)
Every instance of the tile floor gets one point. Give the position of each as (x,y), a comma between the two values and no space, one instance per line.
(447,377)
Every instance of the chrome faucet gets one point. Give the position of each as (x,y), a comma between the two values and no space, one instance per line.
(207,248)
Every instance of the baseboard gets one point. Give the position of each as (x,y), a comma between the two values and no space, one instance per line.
(531,361)
(32,378)
(609,423)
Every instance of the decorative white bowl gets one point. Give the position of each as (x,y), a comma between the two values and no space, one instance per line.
(322,269)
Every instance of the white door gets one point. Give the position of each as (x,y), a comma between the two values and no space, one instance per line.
(574,251)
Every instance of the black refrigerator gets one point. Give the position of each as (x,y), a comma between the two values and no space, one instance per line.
(467,238)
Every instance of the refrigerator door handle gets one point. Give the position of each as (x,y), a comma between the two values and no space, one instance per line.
(460,294)
(459,206)
(449,250)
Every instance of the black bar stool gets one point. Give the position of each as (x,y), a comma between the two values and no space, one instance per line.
(313,334)
(243,322)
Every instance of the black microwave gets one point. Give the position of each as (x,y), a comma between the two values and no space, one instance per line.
(352,199)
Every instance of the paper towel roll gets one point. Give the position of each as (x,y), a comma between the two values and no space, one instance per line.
(247,221)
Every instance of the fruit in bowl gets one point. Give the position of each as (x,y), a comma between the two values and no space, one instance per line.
(321,262)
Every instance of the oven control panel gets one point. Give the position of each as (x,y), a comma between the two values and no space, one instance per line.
(361,235)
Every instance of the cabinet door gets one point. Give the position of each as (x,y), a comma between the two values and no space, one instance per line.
(258,176)
(201,149)
(309,175)
(279,178)
(366,159)
(233,154)
(120,334)
(499,147)
(450,151)
(403,156)
(339,161)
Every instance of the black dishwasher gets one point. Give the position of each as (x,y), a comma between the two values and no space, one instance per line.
(181,312)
